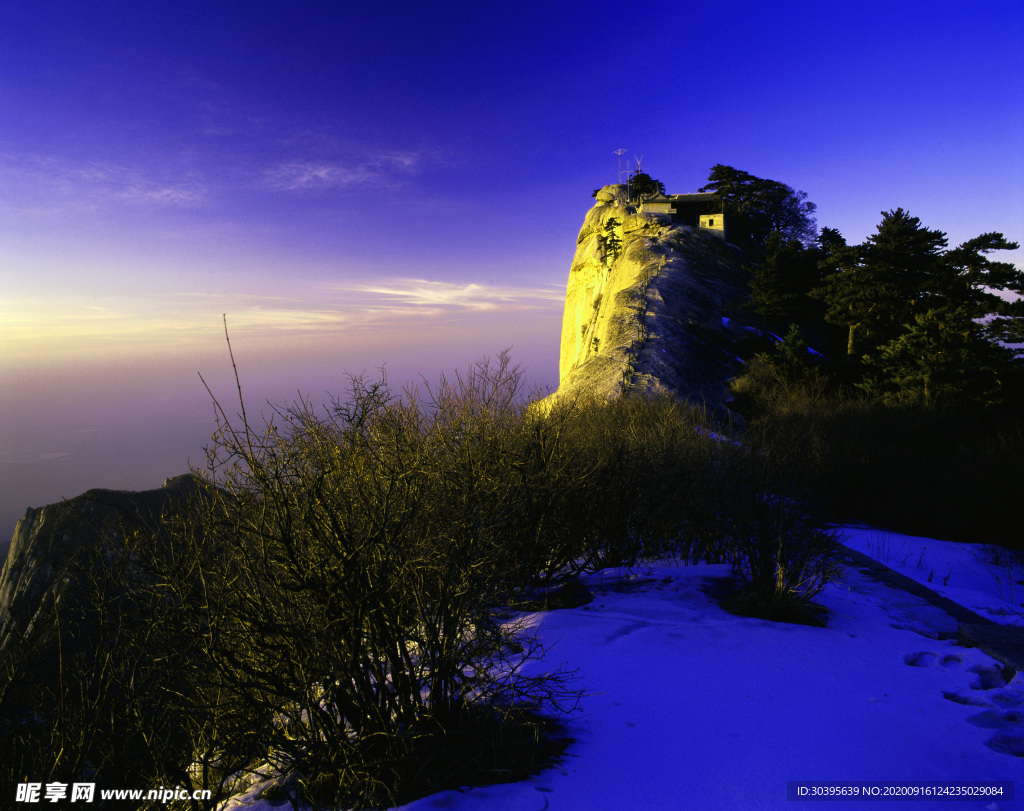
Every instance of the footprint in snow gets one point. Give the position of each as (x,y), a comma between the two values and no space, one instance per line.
(1004,708)
(967,701)
(990,677)
(626,630)
(1008,743)
(997,719)
(1005,698)
(1009,738)
(926,658)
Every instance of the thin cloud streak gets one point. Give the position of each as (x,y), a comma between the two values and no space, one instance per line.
(150,323)
(45,185)
(422,293)
(320,173)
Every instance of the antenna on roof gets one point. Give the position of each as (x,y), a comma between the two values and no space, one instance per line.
(639,166)
(619,153)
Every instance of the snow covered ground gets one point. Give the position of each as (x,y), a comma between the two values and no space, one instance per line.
(690,707)
(961,572)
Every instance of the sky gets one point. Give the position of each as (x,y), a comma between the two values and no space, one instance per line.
(400,185)
(687,706)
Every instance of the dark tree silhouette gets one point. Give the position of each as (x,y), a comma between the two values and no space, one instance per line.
(757,207)
(641,184)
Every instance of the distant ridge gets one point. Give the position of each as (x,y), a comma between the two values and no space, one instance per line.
(47,540)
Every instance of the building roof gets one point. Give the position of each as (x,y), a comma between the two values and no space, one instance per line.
(698,197)
(697,203)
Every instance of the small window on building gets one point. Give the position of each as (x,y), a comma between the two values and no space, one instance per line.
(711,222)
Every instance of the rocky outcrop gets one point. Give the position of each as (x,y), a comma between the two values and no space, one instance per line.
(650,306)
(55,546)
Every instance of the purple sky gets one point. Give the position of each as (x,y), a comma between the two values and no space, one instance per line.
(403,185)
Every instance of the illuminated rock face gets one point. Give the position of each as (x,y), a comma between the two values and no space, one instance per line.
(650,306)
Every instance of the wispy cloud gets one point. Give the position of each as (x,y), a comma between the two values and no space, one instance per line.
(425,294)
(381,168)
(341,308)
(44,184)
(169,321)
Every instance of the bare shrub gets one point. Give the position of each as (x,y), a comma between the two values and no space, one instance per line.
(645,463)
(115,697)
(782,549)
(351,562)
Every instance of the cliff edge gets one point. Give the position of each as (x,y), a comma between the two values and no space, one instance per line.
(56,547)
(650,306)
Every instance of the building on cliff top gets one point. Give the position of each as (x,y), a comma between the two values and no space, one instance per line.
(701,210)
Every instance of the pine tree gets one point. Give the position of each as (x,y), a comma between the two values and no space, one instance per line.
(642,184)
(611,244)
(969,279)
(756,207)
(779,284)
(908,255)
(793,359)
(876,289)
(943,357)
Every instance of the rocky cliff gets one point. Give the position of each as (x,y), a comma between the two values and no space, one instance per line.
(650,306)
(55,546)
